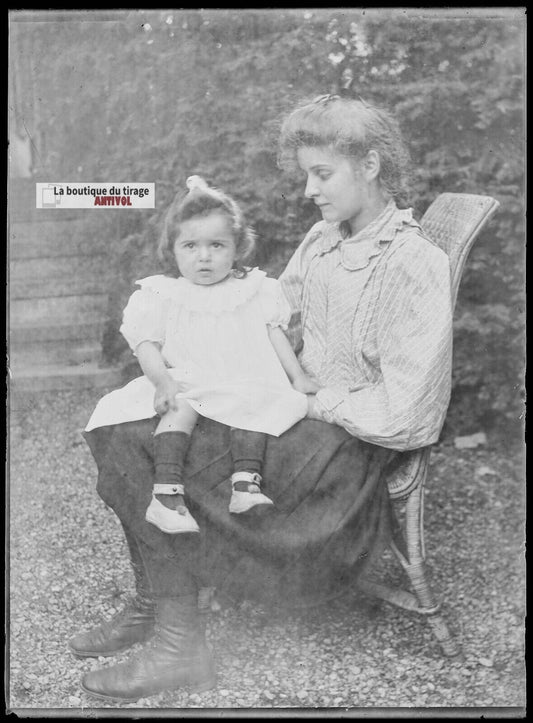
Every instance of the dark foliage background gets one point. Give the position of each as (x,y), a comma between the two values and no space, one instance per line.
(159,95)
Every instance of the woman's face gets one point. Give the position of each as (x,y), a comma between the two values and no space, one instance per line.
(205,249)
(341,187)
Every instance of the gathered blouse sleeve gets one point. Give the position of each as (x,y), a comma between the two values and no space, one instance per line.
(406,407)
(144,318)
(292,281)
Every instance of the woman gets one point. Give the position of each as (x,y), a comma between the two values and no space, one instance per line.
(371,320)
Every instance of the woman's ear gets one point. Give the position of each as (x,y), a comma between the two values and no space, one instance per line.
(371,165)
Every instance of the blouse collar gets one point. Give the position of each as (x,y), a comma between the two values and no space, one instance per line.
(356,251)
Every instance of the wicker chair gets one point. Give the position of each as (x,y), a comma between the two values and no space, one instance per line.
(453,221)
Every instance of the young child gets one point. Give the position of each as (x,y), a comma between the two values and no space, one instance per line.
(210,341)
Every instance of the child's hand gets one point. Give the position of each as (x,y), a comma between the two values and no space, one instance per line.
(165,396)
(305,384)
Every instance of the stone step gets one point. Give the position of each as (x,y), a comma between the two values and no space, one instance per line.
(29,240)
(62,351)
(41,288)
(22,204)
(58,310)
(21,197)
(58,267)
(25,210)
(70,333)
(54,377)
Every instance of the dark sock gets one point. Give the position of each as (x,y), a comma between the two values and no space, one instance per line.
(170,450)
(248,452)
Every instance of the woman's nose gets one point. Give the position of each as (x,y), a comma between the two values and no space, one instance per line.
(310,189)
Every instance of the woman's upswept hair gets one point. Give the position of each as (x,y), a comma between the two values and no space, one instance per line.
(352,128)
(201,200)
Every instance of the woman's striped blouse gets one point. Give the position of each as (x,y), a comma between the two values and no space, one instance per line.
(372,323)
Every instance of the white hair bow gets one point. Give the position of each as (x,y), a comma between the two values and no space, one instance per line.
(196,182)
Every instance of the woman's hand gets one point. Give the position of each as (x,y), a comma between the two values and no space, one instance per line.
(306,385)
(165,396)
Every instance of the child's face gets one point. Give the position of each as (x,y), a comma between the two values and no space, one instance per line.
(205,248)
(336,184)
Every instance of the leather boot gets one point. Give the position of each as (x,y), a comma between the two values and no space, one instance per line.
(178,656)
(133,624)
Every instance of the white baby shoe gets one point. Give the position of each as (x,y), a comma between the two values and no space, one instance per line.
(244,501)
(167,520)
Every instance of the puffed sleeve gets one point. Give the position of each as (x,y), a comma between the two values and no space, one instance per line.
(406,407)
(144,318)
(292,280)
(274,305)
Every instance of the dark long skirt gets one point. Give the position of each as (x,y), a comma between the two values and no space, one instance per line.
(331,512)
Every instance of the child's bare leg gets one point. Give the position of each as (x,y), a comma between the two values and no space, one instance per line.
(182,419)
(171,442)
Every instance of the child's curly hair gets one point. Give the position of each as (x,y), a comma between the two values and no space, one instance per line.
(201,200)
(352,128)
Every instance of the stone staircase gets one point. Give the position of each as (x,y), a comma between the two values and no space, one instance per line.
(57,287)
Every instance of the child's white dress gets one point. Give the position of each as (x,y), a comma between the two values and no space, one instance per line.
(214,339)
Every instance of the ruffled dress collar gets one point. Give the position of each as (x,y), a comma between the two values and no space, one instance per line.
(356,251)
(214,299)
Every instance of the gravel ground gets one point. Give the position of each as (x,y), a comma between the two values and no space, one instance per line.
(68,569)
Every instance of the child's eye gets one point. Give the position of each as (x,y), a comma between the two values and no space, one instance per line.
(324,176)
(216,245)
